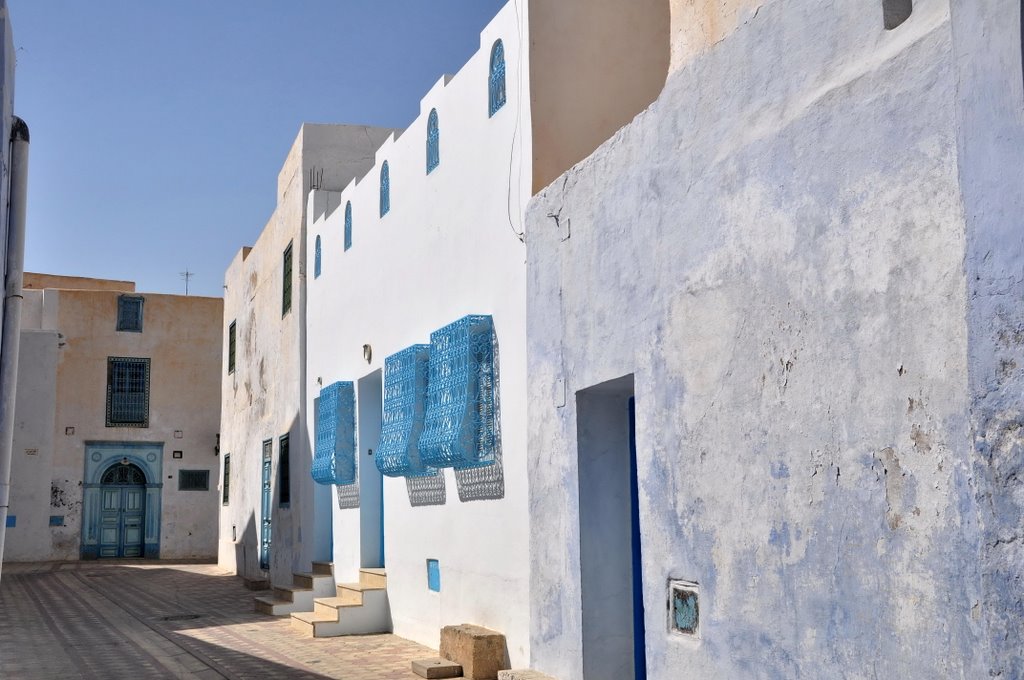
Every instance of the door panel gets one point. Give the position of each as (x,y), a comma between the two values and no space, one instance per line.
(268,452)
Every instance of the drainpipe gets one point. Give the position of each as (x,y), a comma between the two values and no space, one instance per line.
(10,339)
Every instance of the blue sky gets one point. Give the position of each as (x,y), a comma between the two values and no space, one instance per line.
(158,128)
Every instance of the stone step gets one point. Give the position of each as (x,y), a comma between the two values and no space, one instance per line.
(336,616)
(290,592)
(331,605)
(305,622)
(373,578)
(272,606)
(436,668)
(323,568)
(352,593)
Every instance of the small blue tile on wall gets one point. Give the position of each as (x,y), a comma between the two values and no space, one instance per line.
(56,520)
(12,520)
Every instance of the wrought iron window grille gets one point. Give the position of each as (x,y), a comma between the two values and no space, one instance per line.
(334,460)
(316,258)
(193,480)
(232,339)
(348,225)
(286,285)
(127,392)
(385,189)
(405,395)
(129,313)
(433,142)
(496,82)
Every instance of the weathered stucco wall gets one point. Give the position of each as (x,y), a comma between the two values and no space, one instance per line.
(37,281)
(448,247)
(262,398)
(774,251)
(63,379)
(990,128)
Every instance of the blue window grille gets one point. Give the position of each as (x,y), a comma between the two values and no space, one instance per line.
(348,225)
(434,576)
(459,425)
(496,82)
(433,142)
(405,395)
(385,189)
(129,313)
(334,461)
(127,392)
(316,259)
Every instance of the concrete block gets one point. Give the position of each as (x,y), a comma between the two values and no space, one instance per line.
(436,668)
(481,652)
(523,675)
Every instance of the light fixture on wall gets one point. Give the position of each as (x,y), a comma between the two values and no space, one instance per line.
(216,447)
(368,353)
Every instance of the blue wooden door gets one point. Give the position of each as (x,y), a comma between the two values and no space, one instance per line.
(268,452)
(122,512)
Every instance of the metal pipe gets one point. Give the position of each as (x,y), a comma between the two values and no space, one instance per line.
(11,336)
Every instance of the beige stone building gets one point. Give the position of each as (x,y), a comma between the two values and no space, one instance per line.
(116,434)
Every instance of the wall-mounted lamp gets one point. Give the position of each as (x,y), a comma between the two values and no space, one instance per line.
(368,353)
(320,381)
(216,447)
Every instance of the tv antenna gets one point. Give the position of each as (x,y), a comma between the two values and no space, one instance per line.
(187,275)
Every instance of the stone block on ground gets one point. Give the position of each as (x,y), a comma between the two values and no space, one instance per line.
(436,668)
(523,674)
(480,651)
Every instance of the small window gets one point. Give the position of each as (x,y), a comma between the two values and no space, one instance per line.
(433,141)
(227,479)
(284,486)
(12,521)
(231,347)
(129,313)
(316,258)
(127,392)
(684,608)
(56,520)
(496,82)
(434,576)
(193,480)
(286,286)
(348,225)
(385,189)
(895,12)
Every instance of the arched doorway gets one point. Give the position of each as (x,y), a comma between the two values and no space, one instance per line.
(122,510)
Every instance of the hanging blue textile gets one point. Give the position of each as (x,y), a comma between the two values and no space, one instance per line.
(405,395)
(334,460)
(458,428)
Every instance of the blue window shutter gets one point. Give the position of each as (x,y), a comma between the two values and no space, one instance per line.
(496,82)
(405,395)
(334,460)
(348,225)
(385,189)
(459,425)
(433,142)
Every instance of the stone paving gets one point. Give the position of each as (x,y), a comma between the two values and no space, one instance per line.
(145,619)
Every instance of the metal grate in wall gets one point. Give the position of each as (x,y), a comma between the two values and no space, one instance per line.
(496,82)
(127,392)
(129,313)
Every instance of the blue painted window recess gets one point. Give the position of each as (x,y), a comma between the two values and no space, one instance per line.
(56,520)
(496,81)
(348,225)
(433,142)
(434,576)
(12,521)
(316,258)
(684,608)
(385,189)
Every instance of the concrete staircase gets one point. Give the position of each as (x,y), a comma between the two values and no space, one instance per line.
(299,596)
(357,609)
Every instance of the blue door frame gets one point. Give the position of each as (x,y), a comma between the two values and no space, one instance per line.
(265,516)
(639,633)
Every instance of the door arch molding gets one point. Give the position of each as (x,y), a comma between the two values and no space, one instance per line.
(102,457)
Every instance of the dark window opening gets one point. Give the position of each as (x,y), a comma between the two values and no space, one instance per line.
(895,12)
(284,486)
(231,347)
(129,313)
(193,480)
(286,288)
(127,392)
(227,478)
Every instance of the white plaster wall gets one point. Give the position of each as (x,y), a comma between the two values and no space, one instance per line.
(262,399)
(775,251)
(32,538)
(449,247)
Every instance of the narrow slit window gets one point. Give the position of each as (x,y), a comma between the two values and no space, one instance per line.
(231,347)
(316,259)
(385,189)
(895,12)
(227,479)
(496,82)
(348,225)
(284,482)
(286,286)
(433,142)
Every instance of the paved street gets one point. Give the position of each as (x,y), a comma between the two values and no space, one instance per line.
(134,619)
